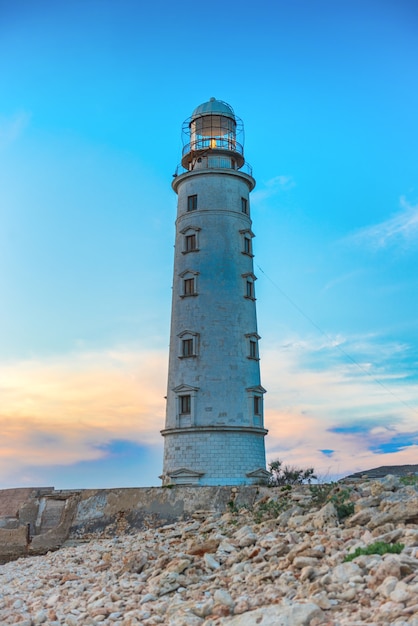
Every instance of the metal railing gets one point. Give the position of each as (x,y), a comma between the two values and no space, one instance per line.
(246,168)
(218,143)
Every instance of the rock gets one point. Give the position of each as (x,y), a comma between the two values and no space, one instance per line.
(219,569)
(327,516)
(400,593)
(346,571)
(211,562)
(389,566)
(199,549)
(245,536)
(296,614)
(222,596)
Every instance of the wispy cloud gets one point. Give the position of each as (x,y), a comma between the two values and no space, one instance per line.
(11,128)
(323,411)
(402,228)
(91,411)
(64,410)
(272,187)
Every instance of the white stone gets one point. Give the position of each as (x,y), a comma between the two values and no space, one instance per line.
(222,596)
(297,614)
(210,561)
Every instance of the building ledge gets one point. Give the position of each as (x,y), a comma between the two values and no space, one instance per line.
(215,428)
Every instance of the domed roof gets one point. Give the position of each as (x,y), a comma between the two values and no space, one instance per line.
(214,106)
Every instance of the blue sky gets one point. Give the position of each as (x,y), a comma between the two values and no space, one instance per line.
(93,96)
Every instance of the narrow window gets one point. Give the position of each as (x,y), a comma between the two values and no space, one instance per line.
(188,287)
(185,405)
(244,205)
(247,245)
(257,405)
(250,289)
(187,347)
(253,349)
(190,241)
(192,203)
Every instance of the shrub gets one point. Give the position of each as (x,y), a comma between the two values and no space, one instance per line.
(380,547)
(410,479)
(288,475)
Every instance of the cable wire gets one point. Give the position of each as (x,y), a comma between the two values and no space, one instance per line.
(343,352)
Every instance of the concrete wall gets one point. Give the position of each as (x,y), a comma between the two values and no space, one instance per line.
(56,517)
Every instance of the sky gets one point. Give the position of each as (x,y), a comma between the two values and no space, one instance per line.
(93,95)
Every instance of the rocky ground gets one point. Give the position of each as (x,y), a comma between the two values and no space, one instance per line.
(279,564)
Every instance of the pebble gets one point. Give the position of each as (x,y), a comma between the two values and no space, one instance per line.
(230,570)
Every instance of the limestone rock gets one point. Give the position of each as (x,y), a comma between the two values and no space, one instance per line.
(296,614)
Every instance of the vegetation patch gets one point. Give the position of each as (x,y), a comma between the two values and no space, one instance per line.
(332,492)
(379,547)
(410,479)
(288,475)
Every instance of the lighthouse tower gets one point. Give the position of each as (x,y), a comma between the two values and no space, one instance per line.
(214,431)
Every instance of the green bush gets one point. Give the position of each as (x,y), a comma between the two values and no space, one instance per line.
(380,547)
(288,475)
(409,479)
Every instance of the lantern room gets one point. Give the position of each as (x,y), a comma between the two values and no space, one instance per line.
(213,137)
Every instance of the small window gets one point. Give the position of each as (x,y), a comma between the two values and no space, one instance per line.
(253,349)
(187,347)
(244,205)
(192,203)
(185,405)
(257,405)
(250,289)
(188,287)
(247,245)
(190,243)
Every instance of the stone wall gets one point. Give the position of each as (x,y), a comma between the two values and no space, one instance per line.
(35,521)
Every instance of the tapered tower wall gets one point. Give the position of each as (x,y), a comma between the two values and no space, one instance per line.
(214,433)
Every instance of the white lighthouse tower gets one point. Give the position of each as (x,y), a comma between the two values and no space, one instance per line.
(214,431)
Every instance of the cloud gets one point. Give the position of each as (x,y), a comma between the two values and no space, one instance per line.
(324,412)
(12,128)
(66,409)
(402,228)
(93,418)
(272,187)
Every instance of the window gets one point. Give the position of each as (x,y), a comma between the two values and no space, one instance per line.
(188,287)
(250,289)
(252,346)
(185,405)
(257,405)
(187,347)
(244,205)
(192,203)
(249,285)
(247,245)
(190,243)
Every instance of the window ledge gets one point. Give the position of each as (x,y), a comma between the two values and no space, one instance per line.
(247,253)
(250,298)
(187,356)
(188,251)
(253,358)
(188,295)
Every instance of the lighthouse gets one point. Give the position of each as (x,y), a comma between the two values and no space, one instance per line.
(214,430)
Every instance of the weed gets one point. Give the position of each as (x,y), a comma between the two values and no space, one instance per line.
(380,547)
(321,493)
(410,479)
(340,498)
